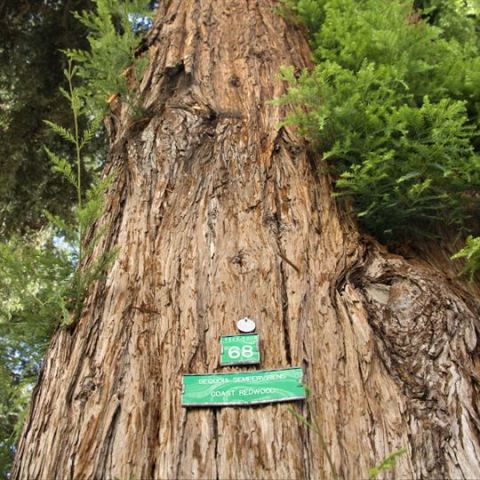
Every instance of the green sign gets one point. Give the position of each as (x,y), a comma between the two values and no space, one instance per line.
(240,349)
(244,388)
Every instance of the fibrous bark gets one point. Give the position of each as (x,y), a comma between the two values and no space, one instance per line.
(218,213)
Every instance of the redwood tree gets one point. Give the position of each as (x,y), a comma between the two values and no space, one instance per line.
(217,214)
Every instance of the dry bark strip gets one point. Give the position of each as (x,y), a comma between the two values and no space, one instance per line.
(218,214)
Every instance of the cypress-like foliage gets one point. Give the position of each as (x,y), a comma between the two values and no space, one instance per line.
(393,105)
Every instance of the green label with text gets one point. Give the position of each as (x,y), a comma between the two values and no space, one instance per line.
(244,388)
(240,349)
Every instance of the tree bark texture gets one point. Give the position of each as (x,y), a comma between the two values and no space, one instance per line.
(218,214)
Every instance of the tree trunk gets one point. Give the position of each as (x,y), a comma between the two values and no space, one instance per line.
(219,214)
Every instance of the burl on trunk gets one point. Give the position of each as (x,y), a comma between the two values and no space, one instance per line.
(218,214)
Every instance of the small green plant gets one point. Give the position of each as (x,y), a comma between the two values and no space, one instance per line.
(87,210)
(386,464)
(109,67)
(33,277)
(471,253)
(315,428)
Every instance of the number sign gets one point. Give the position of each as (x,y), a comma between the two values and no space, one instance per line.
(240,349)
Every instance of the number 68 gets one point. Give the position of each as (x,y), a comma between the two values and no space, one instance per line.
(235,352)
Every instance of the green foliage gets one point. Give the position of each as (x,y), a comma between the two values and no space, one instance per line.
(450,16)
(43,279)
(31,32)
(34,276)
(315,428)
(386,464)
(89,207)
(471,253)
(393,105)
(110,64)
(308,12)
(33,35)
(14,397)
